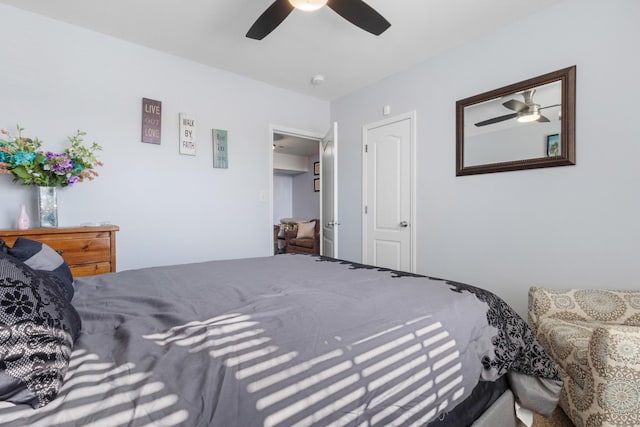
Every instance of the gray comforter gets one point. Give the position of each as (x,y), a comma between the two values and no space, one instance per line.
(291,340)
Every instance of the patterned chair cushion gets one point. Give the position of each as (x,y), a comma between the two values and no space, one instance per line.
(594,338)
(611,307)
(567,341)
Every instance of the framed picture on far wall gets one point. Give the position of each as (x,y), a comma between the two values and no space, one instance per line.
(316,168)
(553,145)
(151,121)
(220,153)
(187,140)
(316,185)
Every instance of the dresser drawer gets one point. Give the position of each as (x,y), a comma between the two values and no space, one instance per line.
(84,248)
(87,250)
(91,269)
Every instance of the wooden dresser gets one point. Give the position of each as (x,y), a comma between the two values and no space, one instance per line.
(87,250)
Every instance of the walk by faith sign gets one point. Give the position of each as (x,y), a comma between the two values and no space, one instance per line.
(187,134)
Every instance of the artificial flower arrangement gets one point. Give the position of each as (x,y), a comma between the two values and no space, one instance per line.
(23,158)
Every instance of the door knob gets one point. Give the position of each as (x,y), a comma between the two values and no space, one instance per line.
(404,224)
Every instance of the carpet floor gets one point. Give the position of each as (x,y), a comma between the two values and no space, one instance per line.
(558,419)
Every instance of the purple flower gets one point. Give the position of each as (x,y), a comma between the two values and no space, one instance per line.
(73,179)
(60,164)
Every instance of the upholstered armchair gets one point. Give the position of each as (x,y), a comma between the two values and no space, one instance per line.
(594,338)
(304,239)
(276,231)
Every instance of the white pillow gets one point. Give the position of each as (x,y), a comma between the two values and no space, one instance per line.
(306,230)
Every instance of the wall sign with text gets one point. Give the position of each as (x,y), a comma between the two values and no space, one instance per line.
(187,134)
(220,153)
(151,120)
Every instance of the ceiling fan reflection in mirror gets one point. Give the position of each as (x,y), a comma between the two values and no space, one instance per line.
(355,11)
(525,112)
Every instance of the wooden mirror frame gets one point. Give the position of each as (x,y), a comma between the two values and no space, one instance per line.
(568,110)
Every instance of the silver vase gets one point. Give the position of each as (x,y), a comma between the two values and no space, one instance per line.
(47,207)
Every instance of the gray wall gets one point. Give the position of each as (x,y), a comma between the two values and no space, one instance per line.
(571,226)
(306,202)
(282,197)
(517,143)
(57,78)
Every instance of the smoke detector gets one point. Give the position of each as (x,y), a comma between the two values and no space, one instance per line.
(318,79)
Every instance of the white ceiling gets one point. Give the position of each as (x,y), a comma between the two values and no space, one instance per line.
(295,145)
(213,32)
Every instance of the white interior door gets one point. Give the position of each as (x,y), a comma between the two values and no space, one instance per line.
(329,192)
(388,194)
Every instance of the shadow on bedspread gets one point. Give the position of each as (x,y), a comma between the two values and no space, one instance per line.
(287,341)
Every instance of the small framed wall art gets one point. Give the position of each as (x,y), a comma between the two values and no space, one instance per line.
(553,145)
(316,185)
(220,151)
(187,134)
(151,121)
(316,168)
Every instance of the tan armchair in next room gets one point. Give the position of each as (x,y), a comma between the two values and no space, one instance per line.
(305,239)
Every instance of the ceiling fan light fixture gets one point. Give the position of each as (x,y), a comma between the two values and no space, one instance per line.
(308,5)
(531,115)
(527,118)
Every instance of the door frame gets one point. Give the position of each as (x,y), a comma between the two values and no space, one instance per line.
(411,115)
(293,132)
(333,131)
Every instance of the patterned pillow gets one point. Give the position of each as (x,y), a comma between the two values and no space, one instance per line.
(43,258)
(38,326)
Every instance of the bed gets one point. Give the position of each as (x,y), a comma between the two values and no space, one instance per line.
(288,340)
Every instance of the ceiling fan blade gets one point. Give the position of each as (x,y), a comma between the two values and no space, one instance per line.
(270,19)
(542,119)
(515,105)
(360,14)
(549,106)
(497,119)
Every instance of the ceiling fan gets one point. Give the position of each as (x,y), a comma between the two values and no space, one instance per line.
(355,11)
(527,111)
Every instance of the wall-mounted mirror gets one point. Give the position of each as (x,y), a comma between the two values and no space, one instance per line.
(525,125)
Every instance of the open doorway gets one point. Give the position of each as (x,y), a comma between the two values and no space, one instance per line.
(296,193)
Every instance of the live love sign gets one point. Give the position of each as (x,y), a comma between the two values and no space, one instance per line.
(151,120)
